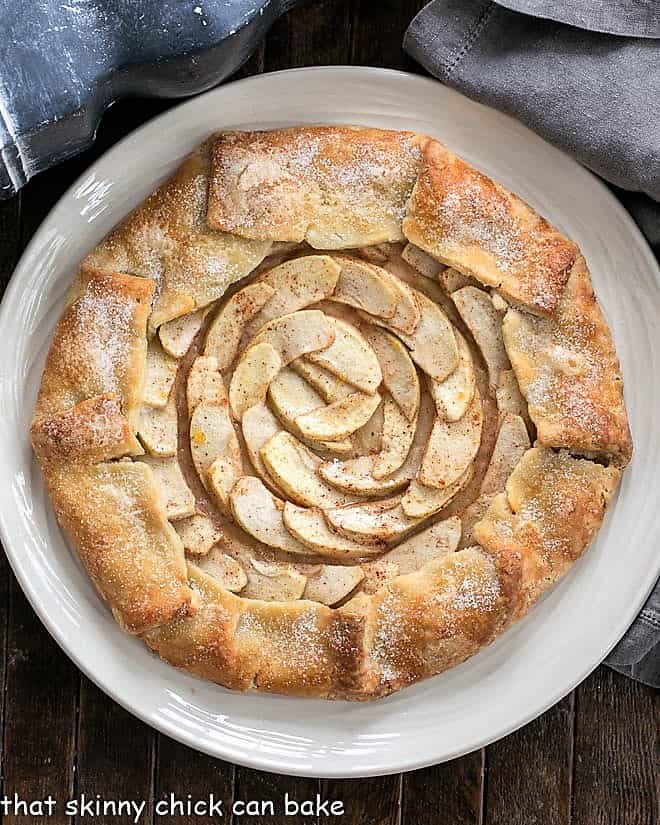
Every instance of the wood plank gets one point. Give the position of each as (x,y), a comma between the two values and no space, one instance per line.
(183,774)
(534,767)
(115,755)
(10,216)
(317,34)
(272,790)
(451,793)
(377,33)
(375,801)
(40,716)
(616,752)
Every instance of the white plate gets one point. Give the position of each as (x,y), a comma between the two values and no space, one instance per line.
(529,668)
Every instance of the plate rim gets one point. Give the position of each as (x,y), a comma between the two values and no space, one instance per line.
(257,759)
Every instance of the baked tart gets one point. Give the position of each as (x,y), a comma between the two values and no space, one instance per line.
(329,412)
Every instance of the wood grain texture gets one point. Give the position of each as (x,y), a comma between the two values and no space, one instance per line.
(41,699)
(115,754)
(10,218)
(318,34)
(374,801)
(377,33)
(272,788)
(185,775)
(447,793)
(534,764)
(617,745)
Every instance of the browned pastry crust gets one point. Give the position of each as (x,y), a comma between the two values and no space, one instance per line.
(569,373)
(168,239)
(110,391)
(464,219)
(99,345)
(334,187)
(551,510)
(112,512)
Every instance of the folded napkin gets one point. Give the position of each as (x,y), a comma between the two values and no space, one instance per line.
(584,74)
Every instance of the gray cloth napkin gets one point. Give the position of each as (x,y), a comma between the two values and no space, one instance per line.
(584,74)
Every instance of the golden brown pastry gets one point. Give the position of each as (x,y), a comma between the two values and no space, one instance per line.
(329,475)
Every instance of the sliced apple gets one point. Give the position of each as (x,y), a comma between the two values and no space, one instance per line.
(397,439)
(220,479)
(420,501)
(311,529)
(349,357)
(178,500)
(224,335)
(212,435)
(424,263)
(160,372)
(498,302)
(433,344)
(254,372)
(452,447)
(273,582)
(356,475)
(157,429)
(296,284)
(358,605)
(511,444)
(176,336)
(259,513)
(332,584)
(294,469)
(379,253)
(377,574)
(299,333)
(340,419)
(361,285)
(291,396)
(431,544)
(205,382)
(453,396)
(224,568)
(374,522)
(407,313)
(485,323)
(258,426)
(329,386)
(451,279)
(369,438)
(198,534)
(508,396)
(399,373)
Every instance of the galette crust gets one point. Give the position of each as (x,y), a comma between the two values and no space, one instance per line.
(333,186)
(168,240)
(569,373)
(112,511)
(466,220)
(366,191)
(99,345)
(551,510)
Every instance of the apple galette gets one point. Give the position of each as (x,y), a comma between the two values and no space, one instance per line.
(329,412)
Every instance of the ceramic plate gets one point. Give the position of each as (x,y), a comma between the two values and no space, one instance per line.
(531,666)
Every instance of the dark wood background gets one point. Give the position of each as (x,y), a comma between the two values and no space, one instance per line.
(587,761)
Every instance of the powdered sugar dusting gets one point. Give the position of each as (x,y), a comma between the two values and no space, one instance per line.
(103,325)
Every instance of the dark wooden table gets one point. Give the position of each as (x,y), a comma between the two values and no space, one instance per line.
(587,761)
